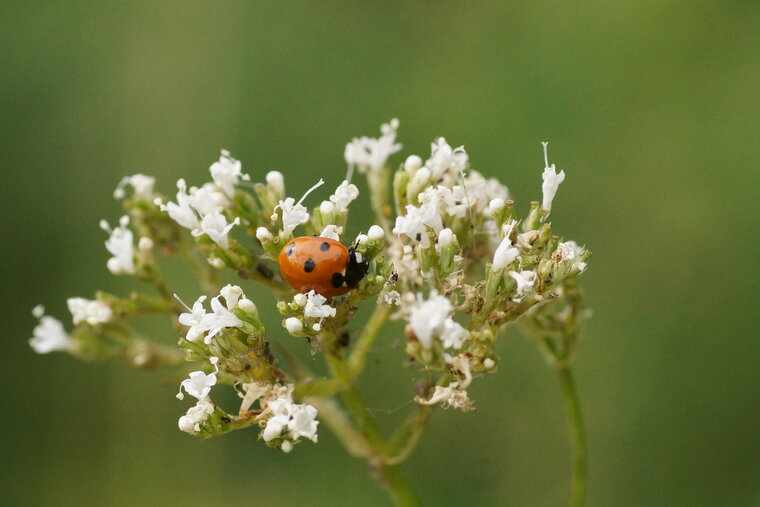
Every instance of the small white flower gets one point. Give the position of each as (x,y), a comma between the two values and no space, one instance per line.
(191,422)
(316,307)
(226,173)
(207,199)
(372,153)
(568,251)
(293,325)
(194,319)
(49,335)
(121,245)
(140,183)
(182,212)
(427,318)
(551,181)
(525,282)
(412,226)
(220,318)
(86,310)
(216,227)
(199,384)
(231,294)
(446,161)
(452,334)
(304,422)
(294,213)
(332,232)
(344,194)
(504,255)
(300,299)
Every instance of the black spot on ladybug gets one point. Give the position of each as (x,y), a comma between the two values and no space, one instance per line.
(337,280)
(324,246)
(290,249)
(309,265)
(419,237)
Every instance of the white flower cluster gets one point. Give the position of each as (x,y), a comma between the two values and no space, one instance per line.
(209,324)
(49,335)
(294,213)
(201,209)
(280,417)
(455,393)
(87,310)
(431,319)
(315,310)
(120,244)
(367,153)
(141,184)
(198,385)
(445,195)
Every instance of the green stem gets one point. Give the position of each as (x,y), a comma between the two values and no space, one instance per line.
(406,437)
(577,435)
(345,373)
(393,479)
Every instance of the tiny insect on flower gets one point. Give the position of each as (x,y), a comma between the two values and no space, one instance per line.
(321,264)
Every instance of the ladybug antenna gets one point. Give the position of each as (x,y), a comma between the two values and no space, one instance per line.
(319,184)
(546,152)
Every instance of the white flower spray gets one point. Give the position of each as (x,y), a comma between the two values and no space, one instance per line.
(446,253)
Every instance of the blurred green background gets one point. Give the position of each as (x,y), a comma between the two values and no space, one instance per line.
(652,108)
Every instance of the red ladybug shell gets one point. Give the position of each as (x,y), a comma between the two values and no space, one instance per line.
(315,263)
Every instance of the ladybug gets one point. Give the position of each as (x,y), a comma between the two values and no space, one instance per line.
(321,264)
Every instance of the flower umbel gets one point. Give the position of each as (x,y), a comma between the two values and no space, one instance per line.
(447,253)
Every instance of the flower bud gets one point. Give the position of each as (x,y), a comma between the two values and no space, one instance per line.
(375,232)
(293,325)
(247,305)
(300,299)
(412,163)
(263,235)
(145,244)
(327,208)
(445,238)
(275,180)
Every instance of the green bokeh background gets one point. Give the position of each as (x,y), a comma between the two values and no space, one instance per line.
(652,109)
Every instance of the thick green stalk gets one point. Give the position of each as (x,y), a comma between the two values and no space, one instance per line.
(577,435)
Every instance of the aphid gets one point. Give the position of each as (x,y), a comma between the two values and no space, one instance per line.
(321,264)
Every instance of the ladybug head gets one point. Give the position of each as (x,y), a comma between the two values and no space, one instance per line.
(356,269)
